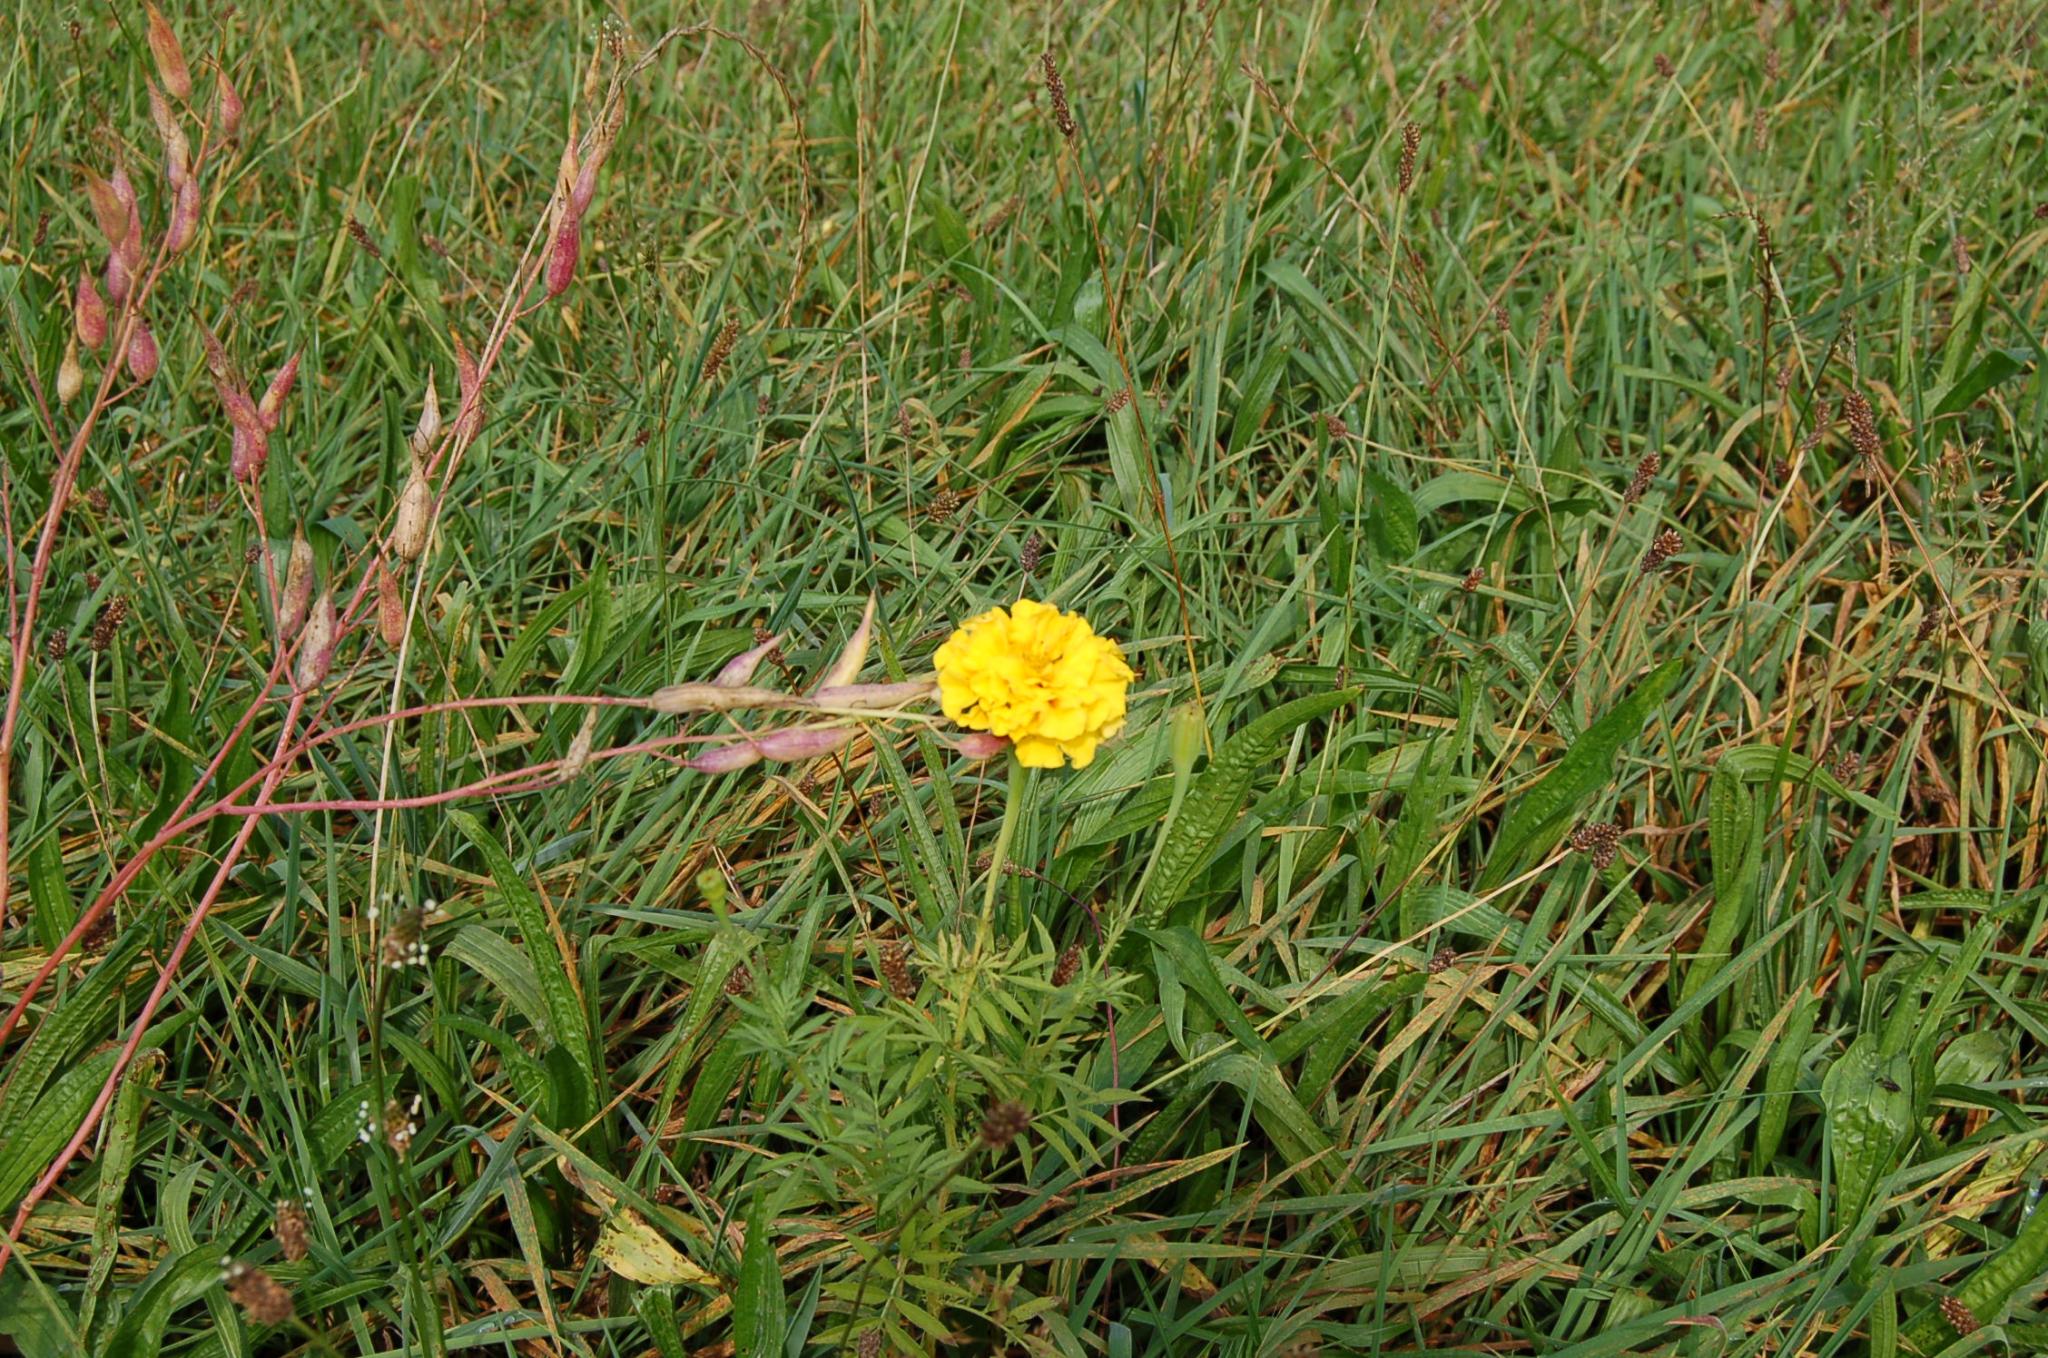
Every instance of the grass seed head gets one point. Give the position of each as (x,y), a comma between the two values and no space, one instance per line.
(1003,1122)
(1056,91)
(291,1230)
(263,1299)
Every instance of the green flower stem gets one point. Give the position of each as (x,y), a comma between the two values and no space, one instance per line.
(1013,811)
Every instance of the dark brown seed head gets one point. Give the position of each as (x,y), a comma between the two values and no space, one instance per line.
(1960,248)
(740,982)
(360,234)
(1663,547)
(1442,961)
(1068,965)
(1930,625)
(401,1124)
(405,943)
(897,973)
(1034,552)
(721,350)
(1598,840)
(263,1299)
(869,1345)
(1473,579)
(1960,1317)
(1056,91)
(1639,484)
(1118,399)
(109,622)
(1003,1123)
(1862,427)
(291,1229)
(1663,65)
(1411,142)
(59,645)
(944,505)
(1334,426)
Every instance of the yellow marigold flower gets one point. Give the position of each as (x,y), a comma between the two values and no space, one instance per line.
(1037,677)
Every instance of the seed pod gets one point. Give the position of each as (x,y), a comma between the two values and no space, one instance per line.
(980,744)
(170,58)
(316,644)
(427,432)
(390,608)
(184,227)
(469,409)
(725,758)
(177,152)
(142,354)
(578,757)
(70,377)
(738,670)
(565,173)
(562,255)
(846,668)
(279,388)
(88,312)
(297,595)
(119,280)
(873,697)
(415,517)
(109,212)
(248,451)
(802,742)
(585,187)
(227,106)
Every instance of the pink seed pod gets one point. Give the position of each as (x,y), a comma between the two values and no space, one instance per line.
(846,668)
(390,608)
(740,668)
(725,758)
(124,193)
(170,57)
(562,254)
(88,312)
(248,451)
(565,174)
(316,644)
(279,388)
(227,106)
(184,227)
(70,376)
(119,280)
(803,742)
(679,699)
(585,187)
(469,408)
(142,354)
(979,744)
(109,211)
(297,596)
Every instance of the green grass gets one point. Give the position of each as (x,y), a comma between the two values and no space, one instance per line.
(1396,1067)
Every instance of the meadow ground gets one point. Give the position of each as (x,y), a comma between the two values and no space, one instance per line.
(1568,476)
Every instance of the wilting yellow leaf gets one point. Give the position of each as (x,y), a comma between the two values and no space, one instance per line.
(631,1248)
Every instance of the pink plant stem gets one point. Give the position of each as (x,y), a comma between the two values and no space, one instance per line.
(150,1006)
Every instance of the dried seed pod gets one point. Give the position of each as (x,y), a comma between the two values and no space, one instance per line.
(272,404)
(109,212)
(725,758)
(297,596)
(980,744)
(70,377)
(427,432)
(316,644)
(119,280)
(846,668)
(578,757)
(415,517)
(469,409)
(170,57)
(248,450)
(184,226)
(88,312)
(142,353)
(177,150)
(263,1299)
(390,608)
(227,106)
(562,255)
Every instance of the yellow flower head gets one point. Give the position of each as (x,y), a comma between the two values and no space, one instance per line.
(1038,677)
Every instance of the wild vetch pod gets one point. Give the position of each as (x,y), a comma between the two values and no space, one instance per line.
(109,212)
(979,744)
(184,227)
(469,408)
(847,667)
(874,696)
(142,354)
(415,518)
(391,609)
(297,595)
(578,757)
(248,451)
(562,255)
(803,742)
(170,57)
(741,667)
(585,187)
(227,106)
(88,312)
(279,388)
(725,758)
(427,432)
(677,699)
(70,377)
(316,644)
(119,280)
(124,193)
